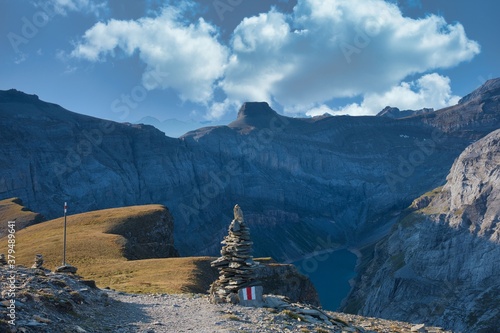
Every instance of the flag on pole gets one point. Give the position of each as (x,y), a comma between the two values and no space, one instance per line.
(65,207)
(249,294)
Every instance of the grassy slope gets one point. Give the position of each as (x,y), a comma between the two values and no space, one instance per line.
(11,209)
(99,254)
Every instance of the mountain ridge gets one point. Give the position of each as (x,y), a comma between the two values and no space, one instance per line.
(392,112)
(331,176)
(488,89)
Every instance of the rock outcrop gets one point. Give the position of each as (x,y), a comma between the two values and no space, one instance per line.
(48,302)
(440,265)
(285,279)
(275,278)
(148,235)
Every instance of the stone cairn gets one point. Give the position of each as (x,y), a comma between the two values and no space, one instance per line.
(236,266)
(38,262)
(3,261)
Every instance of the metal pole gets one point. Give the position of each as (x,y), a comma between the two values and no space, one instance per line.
(64,247)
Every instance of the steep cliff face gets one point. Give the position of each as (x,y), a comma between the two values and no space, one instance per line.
(148,235)
(285,279)
(305,183)
(441,262)
(303,179)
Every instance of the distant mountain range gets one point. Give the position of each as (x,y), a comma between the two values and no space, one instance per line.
(305,184)
(174,127)
(397,113)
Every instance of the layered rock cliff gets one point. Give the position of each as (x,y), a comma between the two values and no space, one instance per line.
(441,263)
(146,235)
(306,184)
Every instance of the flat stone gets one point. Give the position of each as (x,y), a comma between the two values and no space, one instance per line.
(42,320)
(418,328)
(33,323)
(309,312)
(78,329)
(236,225)
(66,269)
(274,302)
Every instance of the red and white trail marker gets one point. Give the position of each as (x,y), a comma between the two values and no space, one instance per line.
(249,294)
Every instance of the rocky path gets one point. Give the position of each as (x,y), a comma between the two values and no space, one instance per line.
(164,313)
(194,313)
(48,302)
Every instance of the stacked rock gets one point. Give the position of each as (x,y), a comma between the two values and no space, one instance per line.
(236,266)
(38,262)
(3,261)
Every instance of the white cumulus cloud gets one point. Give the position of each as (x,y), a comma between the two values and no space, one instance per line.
(323,50)
(62,7)
(429,91)
(329,49)
(186,57)
(257,63)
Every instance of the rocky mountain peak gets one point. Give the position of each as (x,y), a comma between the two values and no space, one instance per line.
(395,113)
(489,89)
(16,96)
(255,109)
(254,114)
(477,111)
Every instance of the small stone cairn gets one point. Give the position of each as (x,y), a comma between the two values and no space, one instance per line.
(236,266)
(38,262)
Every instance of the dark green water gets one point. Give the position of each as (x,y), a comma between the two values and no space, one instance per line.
(330,273)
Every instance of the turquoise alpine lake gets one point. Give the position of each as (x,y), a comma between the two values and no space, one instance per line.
(330,273)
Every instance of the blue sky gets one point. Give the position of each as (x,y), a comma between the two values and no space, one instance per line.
(197,61)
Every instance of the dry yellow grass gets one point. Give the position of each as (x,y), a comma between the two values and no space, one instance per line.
(169,275)
(11,209)
(99,255)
